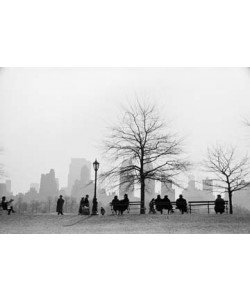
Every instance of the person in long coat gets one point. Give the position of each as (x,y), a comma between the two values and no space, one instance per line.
(81,205)
(59,206)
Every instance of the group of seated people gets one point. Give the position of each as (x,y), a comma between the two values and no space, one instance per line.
(7,205)
(159,204)
(84,208)
(164,203)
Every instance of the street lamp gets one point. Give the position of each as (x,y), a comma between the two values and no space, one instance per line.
(94,207)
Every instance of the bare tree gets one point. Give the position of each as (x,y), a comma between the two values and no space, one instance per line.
(230,172)
(143,140)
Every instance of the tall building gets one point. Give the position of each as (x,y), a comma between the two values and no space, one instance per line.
(126,185)
(149,186)
(75,168)
(48,185)
(8,186)
(3,189)
(167,189)
(191,193)
(207,185)
(34,186)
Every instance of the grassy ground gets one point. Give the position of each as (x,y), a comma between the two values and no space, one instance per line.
(128,223)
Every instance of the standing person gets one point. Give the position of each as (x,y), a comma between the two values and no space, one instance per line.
(10,206)
(81,205)
(219,205)
(59,206)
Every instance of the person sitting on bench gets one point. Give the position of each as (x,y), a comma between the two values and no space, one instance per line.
(10,206)
(4,203)
(181,204)
(152,207)
(219,205)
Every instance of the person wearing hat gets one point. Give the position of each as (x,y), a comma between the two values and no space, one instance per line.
(59,206)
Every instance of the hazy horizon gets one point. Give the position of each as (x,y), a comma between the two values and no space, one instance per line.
(50,115)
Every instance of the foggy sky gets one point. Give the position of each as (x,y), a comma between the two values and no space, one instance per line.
(49,115)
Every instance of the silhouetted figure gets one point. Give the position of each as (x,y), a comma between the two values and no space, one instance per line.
(81,206)
(4,203)
(84,206)
(120,205)
(164,203)
(59,206)
(124,204)
(115,204)
(86,201)
(167,204)
(102,211)
(10,206)
(152,207)
(181,204)
(219,205)
(158,203)
(95,207)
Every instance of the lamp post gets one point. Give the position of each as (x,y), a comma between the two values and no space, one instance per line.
(96,165)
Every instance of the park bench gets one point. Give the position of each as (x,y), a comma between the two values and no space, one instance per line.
(131,203)
(204,203)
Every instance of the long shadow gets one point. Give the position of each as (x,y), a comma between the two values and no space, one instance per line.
(79,221)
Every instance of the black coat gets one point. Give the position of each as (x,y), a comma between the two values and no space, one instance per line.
(59,206)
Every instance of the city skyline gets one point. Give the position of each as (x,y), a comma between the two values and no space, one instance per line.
(53,114)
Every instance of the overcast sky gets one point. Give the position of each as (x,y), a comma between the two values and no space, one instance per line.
(49,115)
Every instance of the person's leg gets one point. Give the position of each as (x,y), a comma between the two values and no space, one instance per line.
(9,210)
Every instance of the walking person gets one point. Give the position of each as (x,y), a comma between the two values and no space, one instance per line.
(59,206)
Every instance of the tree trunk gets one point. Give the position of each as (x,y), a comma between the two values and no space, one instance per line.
(230,202)
(142,211)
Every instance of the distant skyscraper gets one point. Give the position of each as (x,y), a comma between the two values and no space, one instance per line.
(48,185)
(126,181)
(191,193)
(3,189)
(207,185)
(75,169)
(85,175)
(167,189)
(34,186)
(8,186)
(149,186)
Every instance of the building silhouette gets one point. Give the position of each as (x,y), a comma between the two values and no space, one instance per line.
(149,186)
(48,185)
(126,185)
(167,189)
(35,186)
(75,170)
(191,193)
(5,188)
